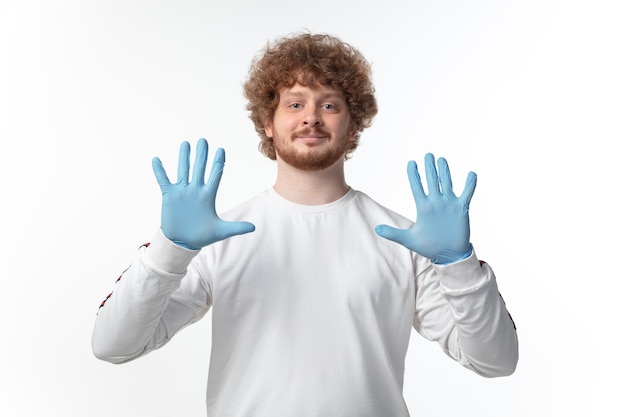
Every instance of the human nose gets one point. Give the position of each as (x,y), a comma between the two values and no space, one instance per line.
(312,117)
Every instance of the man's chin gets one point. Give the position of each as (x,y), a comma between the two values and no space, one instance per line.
(311,160)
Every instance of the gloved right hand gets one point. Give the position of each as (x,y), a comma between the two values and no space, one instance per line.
(188,216)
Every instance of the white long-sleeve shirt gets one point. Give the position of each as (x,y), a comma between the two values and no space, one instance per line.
(312,312)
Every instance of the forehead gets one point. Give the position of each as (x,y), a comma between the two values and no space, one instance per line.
(316,90)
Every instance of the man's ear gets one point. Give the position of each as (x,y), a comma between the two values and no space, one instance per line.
(269,130)
(353,130)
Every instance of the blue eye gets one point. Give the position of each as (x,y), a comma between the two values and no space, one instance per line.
(328,107)
(295,105)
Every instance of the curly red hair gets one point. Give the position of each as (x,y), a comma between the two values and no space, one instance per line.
(309,59)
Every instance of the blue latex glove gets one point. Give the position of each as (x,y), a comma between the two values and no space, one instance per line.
(441,231)
(188,216)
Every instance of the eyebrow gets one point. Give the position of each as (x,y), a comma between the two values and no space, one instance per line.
(296,94)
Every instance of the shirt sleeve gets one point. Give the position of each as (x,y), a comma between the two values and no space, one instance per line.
(158,295)
(459,306)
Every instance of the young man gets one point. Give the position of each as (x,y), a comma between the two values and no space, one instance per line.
(314,286)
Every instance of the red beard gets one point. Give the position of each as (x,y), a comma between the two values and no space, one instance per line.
(314,158)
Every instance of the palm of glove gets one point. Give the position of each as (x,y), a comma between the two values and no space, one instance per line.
(188,215)
(441,231)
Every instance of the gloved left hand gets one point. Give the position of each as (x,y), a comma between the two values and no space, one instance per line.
(441,231)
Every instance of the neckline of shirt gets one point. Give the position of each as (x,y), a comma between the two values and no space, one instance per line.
(305,208)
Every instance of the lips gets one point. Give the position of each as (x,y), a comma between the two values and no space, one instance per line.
(311,136)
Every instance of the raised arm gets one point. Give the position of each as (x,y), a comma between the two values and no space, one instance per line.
(159,294)
(458,304)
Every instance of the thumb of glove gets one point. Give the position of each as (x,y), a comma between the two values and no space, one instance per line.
(391,233)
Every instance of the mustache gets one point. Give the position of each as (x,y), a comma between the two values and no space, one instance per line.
(311,132)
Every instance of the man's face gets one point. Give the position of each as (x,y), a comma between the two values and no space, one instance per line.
(311,127)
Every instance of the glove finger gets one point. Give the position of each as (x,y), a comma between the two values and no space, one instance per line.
(238,228)
(183,163)
(432,179)
(159,173)
(416,182)
(445,179)
(391,233)
(468,191)
(216,171)
(199,165)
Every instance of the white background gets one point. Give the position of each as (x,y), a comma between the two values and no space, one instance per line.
(529,94)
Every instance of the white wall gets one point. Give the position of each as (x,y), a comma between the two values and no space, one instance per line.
(529,94)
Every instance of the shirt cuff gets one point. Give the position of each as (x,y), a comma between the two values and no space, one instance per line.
(167,256)
(462,277)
